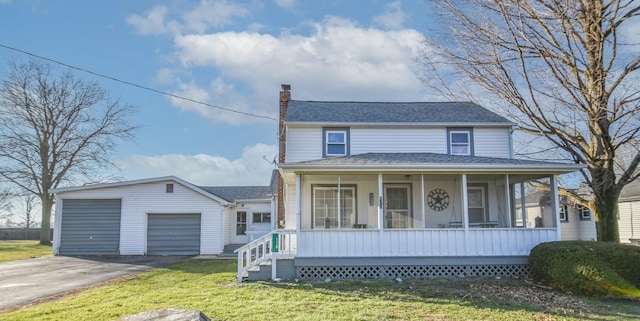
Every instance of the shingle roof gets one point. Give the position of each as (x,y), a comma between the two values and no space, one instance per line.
(631,190)
(232,193)
(420,159)
(390,112)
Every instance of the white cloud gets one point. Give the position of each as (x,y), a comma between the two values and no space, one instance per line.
(153,22)
(203,169)
(219,94)
(339,60)
(212,13)
(287,4)
(393,18)
(209,13)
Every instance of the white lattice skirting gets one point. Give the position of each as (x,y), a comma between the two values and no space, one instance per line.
(408,271)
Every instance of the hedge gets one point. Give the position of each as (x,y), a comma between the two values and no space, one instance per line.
(588,268)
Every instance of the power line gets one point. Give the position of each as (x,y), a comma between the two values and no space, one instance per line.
(136,85)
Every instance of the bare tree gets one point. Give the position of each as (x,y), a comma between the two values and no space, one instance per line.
(24,212)
(563,70)
(5,203)
(55,128)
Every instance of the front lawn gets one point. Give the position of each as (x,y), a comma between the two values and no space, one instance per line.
(12,250)
(209,286)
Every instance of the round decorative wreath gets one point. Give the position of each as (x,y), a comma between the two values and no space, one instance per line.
(438,199)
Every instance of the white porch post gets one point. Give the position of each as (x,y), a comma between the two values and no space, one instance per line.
(465,212)
(298,203)
(523,206)
(424,222)
(465,203)
(339,204)
(380,201)
(508,199)
(553,184)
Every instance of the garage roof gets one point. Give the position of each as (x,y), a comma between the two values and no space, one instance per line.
(175,179)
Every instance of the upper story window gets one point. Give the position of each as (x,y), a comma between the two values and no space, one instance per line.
(585,213)
(460,141)
(335,141)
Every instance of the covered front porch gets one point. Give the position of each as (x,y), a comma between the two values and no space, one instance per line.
(414,214)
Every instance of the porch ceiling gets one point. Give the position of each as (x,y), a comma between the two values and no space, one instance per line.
(426,163)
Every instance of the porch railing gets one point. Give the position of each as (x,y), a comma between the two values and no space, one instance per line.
(421,242)
(278,243)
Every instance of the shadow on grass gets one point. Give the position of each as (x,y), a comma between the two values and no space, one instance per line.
(461,292)
(468,293)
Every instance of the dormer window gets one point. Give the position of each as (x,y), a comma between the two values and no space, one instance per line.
(460,141)
(336,142)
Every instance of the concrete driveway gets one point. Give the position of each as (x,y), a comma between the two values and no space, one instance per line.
(30,280)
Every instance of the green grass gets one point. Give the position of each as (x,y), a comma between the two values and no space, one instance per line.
(209,286)
(18,250)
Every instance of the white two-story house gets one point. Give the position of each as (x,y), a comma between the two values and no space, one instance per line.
(407,189)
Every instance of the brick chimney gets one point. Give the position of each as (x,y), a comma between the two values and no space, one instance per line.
(285,97)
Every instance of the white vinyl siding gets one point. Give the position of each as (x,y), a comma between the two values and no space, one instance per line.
(574,228)
(303,144)
(141,199)
(629,222)
(398,140)
(491,142)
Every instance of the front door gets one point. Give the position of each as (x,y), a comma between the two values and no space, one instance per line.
(239,235)
(397,212)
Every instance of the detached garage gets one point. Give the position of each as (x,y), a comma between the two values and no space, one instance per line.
(158,216)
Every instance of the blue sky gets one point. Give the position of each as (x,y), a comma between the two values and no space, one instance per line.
(233,54)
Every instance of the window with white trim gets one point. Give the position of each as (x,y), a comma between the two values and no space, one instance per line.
(564,213)
(336,142)
(261,217)
(333,207)
(585,213)
(477,200)
(460,142)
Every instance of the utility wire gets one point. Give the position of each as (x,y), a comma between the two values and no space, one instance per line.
(136,85)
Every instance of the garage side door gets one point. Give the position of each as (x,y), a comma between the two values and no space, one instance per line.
(90,226)
(173,234)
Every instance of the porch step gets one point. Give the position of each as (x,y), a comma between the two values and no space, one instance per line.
(228,250)
(286,270)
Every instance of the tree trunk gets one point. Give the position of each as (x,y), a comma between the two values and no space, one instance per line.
(45,230)
(605,204)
